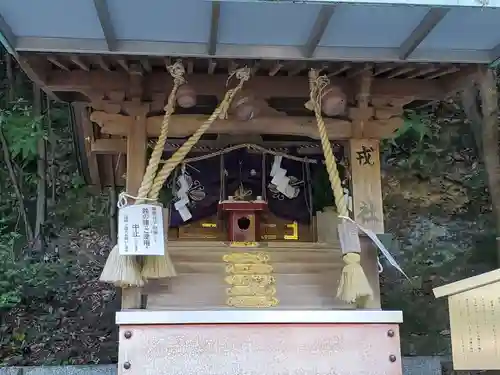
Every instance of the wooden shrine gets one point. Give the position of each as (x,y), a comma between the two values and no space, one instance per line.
(256,283)
(474,307)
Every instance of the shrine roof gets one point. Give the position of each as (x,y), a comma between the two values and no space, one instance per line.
(440,31)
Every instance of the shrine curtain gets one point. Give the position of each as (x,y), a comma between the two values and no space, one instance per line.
(244,167)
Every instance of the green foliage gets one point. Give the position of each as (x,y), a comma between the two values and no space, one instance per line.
(22,131)
(414,146)
(322,192)
(25,282)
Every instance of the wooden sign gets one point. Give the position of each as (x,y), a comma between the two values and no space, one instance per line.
(140,230)
(474,305)
(364,161)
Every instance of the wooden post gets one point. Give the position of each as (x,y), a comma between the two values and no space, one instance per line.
(136,166)
(82,115)
(366,190)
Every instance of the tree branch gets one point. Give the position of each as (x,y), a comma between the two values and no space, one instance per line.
(15,184)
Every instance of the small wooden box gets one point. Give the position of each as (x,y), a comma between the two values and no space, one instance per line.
(243,219)
(474,307)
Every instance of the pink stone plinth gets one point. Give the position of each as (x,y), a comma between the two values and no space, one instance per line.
(260,349)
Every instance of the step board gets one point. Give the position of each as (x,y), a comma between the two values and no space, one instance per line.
(196,291)
(307,275)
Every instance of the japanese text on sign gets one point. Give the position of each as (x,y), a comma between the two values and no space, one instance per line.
(140,230)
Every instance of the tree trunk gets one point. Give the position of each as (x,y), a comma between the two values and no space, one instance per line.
(470,97)
(41,199)
(489,140)
(113,200)
(10,167)
(10,77)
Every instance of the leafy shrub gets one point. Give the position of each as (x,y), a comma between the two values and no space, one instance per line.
(23,282)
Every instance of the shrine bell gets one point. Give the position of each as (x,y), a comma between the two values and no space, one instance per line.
(243,219)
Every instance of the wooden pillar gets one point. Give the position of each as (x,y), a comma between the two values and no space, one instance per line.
(136,166)
(82,116)
(361,114)
(364,162)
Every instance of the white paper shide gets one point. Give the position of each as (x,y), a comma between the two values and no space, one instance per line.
(140,230)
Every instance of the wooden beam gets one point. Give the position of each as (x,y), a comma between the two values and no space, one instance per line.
(456,82)
(102,63)
(421,72)
(214,28)
(101,7)
(363,112)
(36,69)
(109,146)
(212,64)
(54,60)
(275,69)
(265,86)
(7,37)
(146,65)
(185,125)
(400,71)
(417,36)
(443,72)
(123,63)
(318,30)
(77,60)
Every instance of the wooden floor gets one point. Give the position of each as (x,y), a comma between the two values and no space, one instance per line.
(307,276)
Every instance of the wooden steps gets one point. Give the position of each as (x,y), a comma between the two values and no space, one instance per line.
(306,274)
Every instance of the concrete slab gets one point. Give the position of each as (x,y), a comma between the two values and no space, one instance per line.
(411,366)
(421,366)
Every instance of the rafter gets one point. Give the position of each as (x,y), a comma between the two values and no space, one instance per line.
(101,7)
(265,86)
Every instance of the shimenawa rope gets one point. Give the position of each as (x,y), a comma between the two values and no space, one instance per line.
(354,285)
(124,270)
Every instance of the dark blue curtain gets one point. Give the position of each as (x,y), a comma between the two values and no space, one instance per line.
(204,188)
(244,167)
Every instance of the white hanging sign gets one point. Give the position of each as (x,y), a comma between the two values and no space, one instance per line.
(140,230)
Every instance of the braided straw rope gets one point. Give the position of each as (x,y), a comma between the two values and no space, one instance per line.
(177,73)
(124,270)
(162,266)
(317,85)
(354,285)
(243,75)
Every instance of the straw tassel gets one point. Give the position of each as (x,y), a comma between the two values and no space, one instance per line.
(159,266)
(121,270)
(354,286)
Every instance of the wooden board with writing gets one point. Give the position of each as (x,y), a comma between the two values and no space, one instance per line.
(210,228)
(273,228)
(364,161)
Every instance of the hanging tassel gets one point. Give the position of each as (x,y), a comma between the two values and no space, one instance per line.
(120,270)
(159,266)
(354,286)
